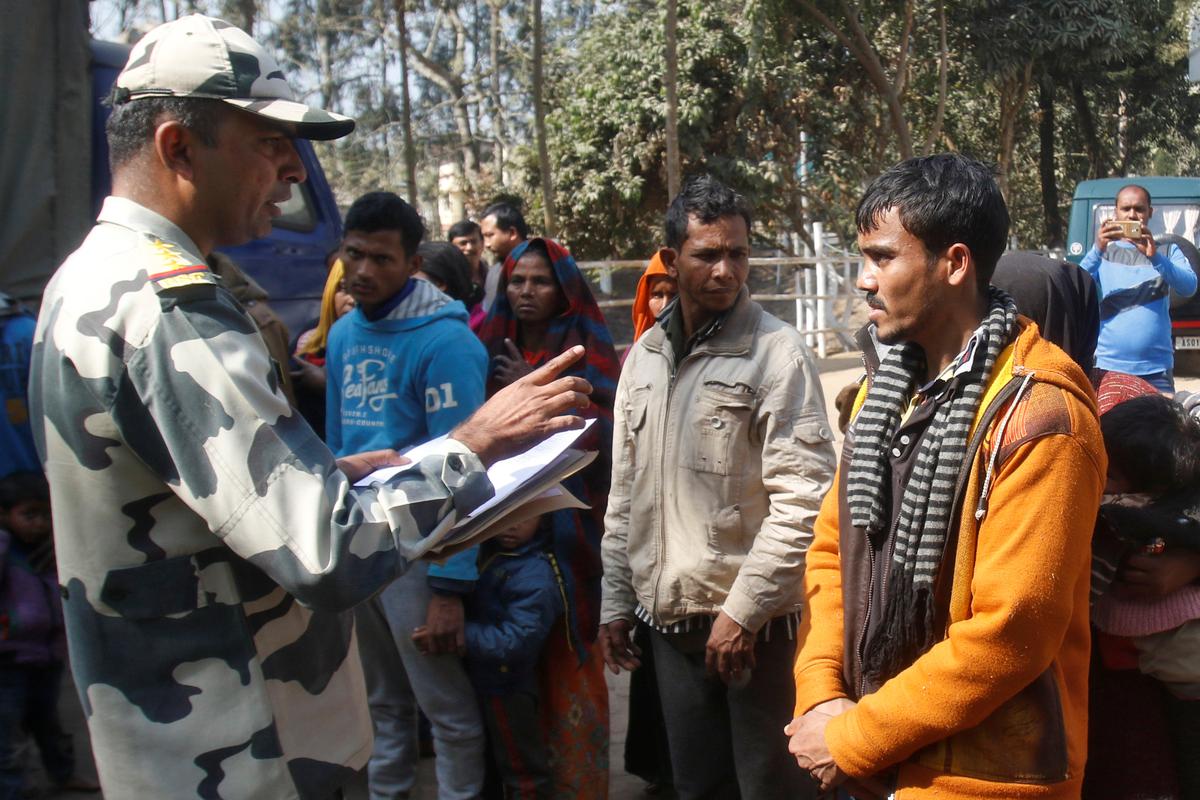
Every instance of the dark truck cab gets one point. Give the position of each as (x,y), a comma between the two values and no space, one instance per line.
(289,263)
(1176,202)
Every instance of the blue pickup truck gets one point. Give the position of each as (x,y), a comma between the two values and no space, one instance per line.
(1176,203)
(290,262)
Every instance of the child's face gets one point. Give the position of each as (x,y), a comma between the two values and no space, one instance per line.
(28,520)
(518,535)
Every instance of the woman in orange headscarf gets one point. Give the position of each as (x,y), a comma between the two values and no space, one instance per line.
(655,289)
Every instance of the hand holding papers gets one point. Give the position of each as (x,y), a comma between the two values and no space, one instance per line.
(525,485)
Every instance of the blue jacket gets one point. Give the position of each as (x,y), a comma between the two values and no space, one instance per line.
(516,603)
(17,452)
(1135,318)
(402,380)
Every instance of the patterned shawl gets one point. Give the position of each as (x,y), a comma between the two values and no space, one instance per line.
(576,539)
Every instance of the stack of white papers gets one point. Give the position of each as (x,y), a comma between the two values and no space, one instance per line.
(526,485)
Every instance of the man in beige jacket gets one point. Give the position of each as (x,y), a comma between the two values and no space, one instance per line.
(722,452)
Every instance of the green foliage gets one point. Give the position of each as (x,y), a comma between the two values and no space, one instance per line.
(737,118)
(753,75)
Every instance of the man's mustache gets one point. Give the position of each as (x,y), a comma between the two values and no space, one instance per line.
(874,302)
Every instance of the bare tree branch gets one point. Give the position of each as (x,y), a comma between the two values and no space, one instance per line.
(860,45)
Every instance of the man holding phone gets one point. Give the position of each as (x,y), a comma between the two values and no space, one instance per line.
(1135,277)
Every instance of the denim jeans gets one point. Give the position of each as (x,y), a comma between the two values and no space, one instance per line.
(399,680)
(29,701)
(1163,381)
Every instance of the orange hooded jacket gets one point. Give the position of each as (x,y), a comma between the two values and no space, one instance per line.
(998,708)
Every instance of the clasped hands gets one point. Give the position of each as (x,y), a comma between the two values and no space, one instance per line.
(808,745)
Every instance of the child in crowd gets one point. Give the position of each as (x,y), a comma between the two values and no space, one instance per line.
(1152,512)
(516,601)
(32,637)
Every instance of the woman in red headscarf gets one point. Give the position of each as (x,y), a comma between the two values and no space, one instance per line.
(544,306)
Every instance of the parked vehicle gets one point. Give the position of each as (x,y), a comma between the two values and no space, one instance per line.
(290,262)
(1176,202)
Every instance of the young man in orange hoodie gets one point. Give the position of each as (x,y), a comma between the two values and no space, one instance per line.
(947,586)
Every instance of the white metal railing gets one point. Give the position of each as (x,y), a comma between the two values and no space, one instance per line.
(824,293)
(824,290)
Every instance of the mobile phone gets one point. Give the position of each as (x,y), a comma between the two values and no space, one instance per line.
(1130,228)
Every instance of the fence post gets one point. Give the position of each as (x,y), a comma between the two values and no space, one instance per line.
(606,284)
(822,285)
(798,247)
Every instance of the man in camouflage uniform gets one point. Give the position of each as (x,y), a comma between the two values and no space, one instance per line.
(207,540)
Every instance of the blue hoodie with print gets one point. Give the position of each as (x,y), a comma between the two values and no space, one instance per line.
(401,380)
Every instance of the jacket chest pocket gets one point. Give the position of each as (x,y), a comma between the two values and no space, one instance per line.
(635,409)
(720,417)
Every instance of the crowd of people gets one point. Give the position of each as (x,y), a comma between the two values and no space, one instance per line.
(997,576)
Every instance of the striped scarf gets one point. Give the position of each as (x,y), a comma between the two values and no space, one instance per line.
(906,629)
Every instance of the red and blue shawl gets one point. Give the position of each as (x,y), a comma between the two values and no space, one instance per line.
(576,537)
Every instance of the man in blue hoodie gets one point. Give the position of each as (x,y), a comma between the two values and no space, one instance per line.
(403,367)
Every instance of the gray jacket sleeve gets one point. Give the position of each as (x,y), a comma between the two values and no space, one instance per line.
(617,596)
(199,403)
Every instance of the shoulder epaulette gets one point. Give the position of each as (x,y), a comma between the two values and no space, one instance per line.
(176,272)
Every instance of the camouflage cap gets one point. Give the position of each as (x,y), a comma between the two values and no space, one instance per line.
(198,56)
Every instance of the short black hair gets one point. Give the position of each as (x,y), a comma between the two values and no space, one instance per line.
(708,200)
(508,217)
(131,124)
(463,227)
(23,487)
(1139,187)
(943,199)
(1153,443)
(446,262)
(387,211)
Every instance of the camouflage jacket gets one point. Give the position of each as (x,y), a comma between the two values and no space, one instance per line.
(206,540)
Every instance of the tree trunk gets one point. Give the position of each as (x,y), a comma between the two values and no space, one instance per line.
(385,92)
(243,13)
(935,131)
(497,104)
(671,81)
(325,54)
(410,149)
(1013,92)
(466,139)
(1087,126)
(1049,180)
(539,119)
